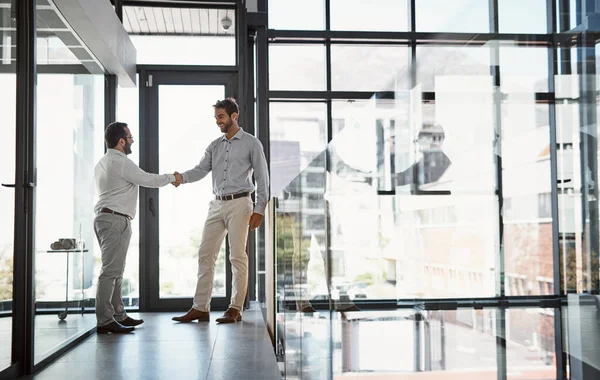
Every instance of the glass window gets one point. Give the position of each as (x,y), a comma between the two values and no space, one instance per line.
(530,344)
(373,15)
(315,180)
(292,15)
(391,240)
(7,175)
(69,142)
(523,69)
(68,147)
(460,16)
(128,112)
(182,36)
(526,181)
(516,16)
(298,150)
(461,68)
(370,67)
(189,107)
(298,142)
(184,50)
(297,67)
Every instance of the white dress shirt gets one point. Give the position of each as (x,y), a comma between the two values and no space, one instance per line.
(117,182)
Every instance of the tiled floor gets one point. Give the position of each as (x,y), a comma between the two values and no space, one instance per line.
(163,349)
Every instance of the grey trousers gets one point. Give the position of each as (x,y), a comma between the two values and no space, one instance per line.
(113,233)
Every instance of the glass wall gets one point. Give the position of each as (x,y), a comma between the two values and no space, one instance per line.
(186,36)
(128,111)
(69,142)
(436,187)
(7,176)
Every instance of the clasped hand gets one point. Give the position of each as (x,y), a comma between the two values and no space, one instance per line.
(178,179)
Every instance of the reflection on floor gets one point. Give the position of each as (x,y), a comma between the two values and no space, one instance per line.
(5,341)
(50,333)
(163,349)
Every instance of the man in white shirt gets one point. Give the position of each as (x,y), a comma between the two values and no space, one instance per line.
(117,182)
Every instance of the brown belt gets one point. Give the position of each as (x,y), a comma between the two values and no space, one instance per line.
(109,211)
(231,196)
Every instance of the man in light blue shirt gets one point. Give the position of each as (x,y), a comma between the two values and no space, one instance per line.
(232,159)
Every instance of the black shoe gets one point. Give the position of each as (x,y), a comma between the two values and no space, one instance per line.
(130,322)
(114,328)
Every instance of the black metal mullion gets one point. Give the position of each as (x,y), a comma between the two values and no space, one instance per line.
(497,149)
(118,4)
(182,4)
(413,44)
(328,250)
(110,81)
(110,100)
(24,232)
(248,102)
(560,356)
(148,255)
(426,96)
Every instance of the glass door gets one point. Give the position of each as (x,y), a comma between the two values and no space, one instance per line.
(7,192)
(179,126)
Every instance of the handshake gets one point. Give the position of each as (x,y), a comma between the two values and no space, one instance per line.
(178,179)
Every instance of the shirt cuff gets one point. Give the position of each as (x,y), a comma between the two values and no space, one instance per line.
(260,209)
(171,178)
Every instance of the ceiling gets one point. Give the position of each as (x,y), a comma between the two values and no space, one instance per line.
(179,21)
(57,44)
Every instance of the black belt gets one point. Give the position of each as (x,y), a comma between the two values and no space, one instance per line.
(231,196)
(109,211)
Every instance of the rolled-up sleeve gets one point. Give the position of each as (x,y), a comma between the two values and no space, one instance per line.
(261,175)
(132,173)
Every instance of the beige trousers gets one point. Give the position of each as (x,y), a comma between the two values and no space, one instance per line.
(224,217)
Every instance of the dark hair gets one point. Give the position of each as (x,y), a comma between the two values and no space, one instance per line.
(114,132)
(228,104)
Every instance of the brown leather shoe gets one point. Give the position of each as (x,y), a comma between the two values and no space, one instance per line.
(193,315)
(230,316)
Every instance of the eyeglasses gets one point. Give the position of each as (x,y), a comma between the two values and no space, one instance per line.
(129,137)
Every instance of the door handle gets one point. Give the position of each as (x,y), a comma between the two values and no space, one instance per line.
(29,185)
(151,207)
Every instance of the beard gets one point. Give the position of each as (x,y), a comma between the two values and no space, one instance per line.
(127,149)
(226,126)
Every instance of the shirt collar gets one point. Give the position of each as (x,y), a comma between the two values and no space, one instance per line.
(238,135)
(115,151)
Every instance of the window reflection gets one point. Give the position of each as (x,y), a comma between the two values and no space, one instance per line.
(369,68)
(68,147)
(468,65)
(7,195)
